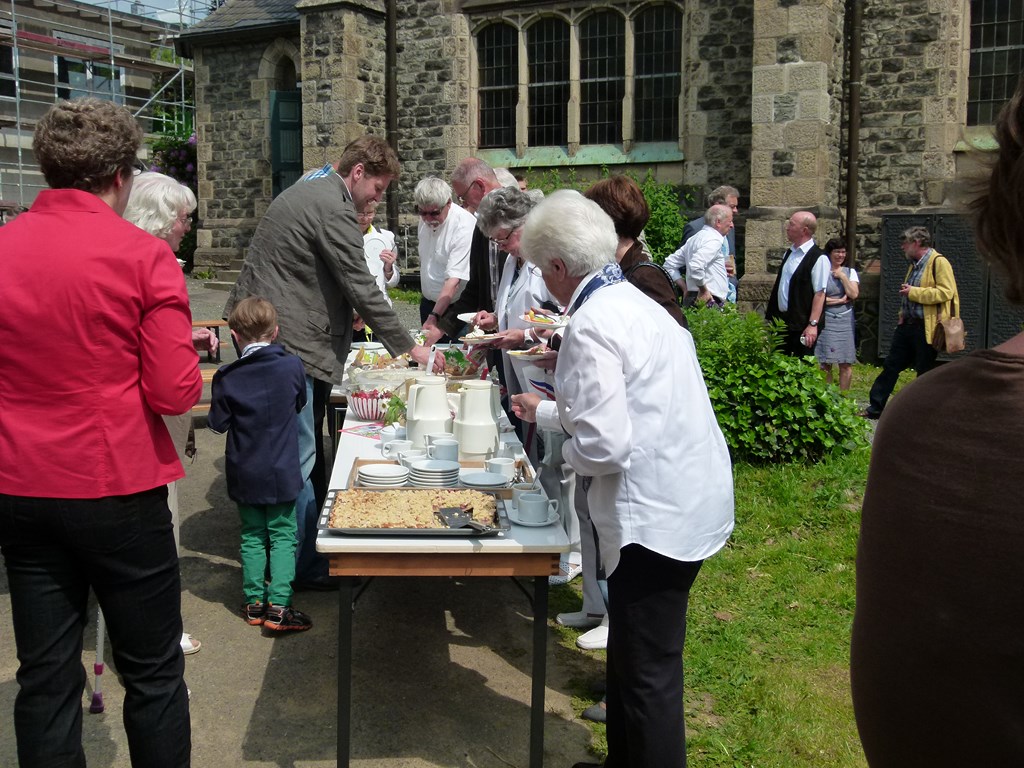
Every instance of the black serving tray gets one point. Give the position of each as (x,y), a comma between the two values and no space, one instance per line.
(325,516)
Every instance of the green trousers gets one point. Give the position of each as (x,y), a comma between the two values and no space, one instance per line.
(268,536)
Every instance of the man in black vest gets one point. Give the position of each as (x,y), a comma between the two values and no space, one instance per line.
(798,298)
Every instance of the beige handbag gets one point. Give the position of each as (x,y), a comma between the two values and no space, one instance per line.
(949,333)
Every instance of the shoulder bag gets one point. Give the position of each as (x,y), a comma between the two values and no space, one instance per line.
(949,335)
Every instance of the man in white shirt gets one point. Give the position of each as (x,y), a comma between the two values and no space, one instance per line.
(798,298)
(445,235)
(620,389)
(704,257)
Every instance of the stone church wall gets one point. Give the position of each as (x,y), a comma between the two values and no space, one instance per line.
(232,152)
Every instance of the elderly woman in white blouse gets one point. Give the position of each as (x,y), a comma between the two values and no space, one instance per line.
(501,216)
(163,207)
(632,399)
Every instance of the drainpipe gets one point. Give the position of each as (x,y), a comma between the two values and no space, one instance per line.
(853,131)
(391,99)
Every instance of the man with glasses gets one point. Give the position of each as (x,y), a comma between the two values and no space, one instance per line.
(471,180)
(445,233)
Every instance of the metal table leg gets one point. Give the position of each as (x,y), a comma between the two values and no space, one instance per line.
(345,669)
(540,642)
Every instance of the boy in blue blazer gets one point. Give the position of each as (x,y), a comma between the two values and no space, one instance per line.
(256,400)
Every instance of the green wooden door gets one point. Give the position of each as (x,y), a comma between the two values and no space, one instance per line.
(285,139)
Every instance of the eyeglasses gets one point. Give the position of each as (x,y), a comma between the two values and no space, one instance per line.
(185,218)
(138,167)
(461,196)
(435,212)
(502,240)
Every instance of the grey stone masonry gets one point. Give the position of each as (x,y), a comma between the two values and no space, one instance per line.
(233,155)
(343,92)
(913,101)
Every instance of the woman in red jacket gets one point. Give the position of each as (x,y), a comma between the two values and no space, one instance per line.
(96,336)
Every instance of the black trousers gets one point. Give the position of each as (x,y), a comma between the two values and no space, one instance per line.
(909,348)
(648,596)
(791,344)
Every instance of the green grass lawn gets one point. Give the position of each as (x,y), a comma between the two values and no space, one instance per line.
(767,648)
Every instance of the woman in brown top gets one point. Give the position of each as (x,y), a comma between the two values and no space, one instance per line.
(622,199)
(937,661)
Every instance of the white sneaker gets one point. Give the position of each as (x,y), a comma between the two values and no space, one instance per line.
(189,644)
(596,639)
(566,573)
(579,619)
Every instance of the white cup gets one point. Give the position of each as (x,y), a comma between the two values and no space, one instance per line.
(395,447)
(408,457)
(392,432)
(445,450)
(433,436)
(502,466)
(536,507)
(519,489)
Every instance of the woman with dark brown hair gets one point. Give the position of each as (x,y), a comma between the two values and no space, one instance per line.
(937,657)
(623,200)
(837,340)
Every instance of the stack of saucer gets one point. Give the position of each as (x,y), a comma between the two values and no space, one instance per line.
(484,480)
(382,476)
(434,473)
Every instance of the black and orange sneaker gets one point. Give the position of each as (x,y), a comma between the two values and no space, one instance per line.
(254,613)
(284,618)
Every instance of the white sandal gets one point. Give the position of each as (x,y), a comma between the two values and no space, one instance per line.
(189,644)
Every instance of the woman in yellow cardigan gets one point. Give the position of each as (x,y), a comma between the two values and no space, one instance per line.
(928,288)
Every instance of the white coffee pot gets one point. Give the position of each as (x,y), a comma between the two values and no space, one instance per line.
(476,424)
(426,409)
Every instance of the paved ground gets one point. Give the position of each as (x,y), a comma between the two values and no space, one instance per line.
(441,666)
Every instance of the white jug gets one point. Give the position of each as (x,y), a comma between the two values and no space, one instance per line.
(476,425)
(426,410)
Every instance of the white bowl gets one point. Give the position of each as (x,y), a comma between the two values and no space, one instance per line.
(367,409)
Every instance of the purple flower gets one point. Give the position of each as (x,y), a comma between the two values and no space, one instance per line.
(189,168)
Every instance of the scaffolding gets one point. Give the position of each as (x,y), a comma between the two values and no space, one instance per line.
(61,49)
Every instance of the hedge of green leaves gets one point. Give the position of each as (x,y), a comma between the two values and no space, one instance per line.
(664,230)
(771,407)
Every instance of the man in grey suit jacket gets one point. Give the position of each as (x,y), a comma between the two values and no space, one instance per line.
(306,258)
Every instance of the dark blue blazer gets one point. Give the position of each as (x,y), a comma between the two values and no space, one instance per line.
(255,400)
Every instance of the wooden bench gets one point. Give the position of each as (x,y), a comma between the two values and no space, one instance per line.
(215,326)
(203,406)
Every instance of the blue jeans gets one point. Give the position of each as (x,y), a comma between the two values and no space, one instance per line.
(123,548)
(309,566)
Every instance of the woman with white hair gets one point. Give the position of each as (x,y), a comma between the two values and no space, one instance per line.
(163,207)
(632,399)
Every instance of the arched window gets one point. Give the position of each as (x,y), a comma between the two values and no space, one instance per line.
(547,47)
(602,78)
(498,64)
(658,34)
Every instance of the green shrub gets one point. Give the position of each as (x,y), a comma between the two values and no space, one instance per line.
(770,406)
(664,229)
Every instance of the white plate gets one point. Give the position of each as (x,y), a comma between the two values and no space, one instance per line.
(558,322)
(485,479)
(379,471)
(369,346)
(513,515)
(433,484)
(525,355)
(435,466)
(485,339)
(466,317)
(392,484)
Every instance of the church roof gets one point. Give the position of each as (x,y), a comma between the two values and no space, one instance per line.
(240,16)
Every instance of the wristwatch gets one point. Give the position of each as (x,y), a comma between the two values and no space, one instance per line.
(438,317)
(813,323)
